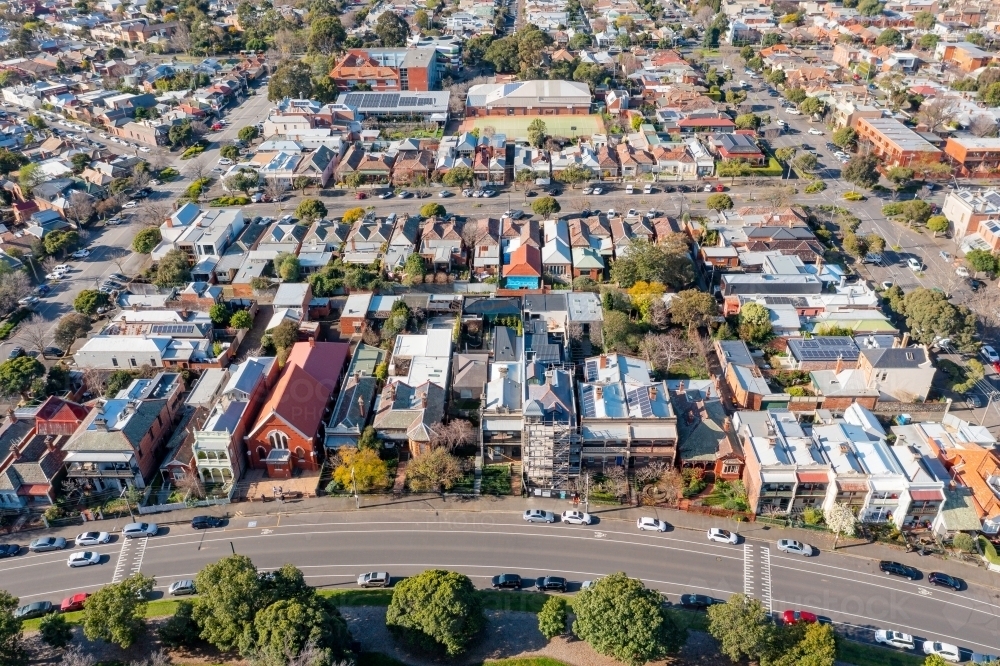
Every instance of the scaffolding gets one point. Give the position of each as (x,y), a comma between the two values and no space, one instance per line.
(550,454)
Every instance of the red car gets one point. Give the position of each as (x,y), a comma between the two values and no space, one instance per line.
(996,367)
(73,603)
(360,195)
(795,617)
(720,188)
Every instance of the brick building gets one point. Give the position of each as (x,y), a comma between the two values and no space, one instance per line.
(388,69)
(894,143)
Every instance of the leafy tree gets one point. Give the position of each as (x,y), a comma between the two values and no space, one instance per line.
(844,137)
(285,334)
(795,95)
(11,161)
(310,210)
(719,202)
(369,470)
(645,261)
(326,35)
(57,242)
(433,471)
(12,651)
(862,170)
(776,77)
(287,267)
(504,55)
(28,176)
(117,380)
(432,210)
(181,134)
(173,270)
(436,611)
(88,300)
(841,521)
(755,323)
(545,206)
(937,660)
(241,319)
(219,314)
(552,617)
(575,174)
(733,169)
(230,152)
(55,631)
(812,105)
(70,327)
(742,627)
(181,629)
(928,42)
(352,215)
(369,440)
(537,131)
(924,20)
(230,594)
(693,308)
(856,246)
(459,176)
(889,37)
(287,626)
(243,181)
(414,270)
(990,95)
(116,613)
(875,243)
(747,121)
(248,133)
(938,224)
(392,30)
(981,261)
(806,162)
(911,212)
(623,619)
(292,78)
(80,161)
(146,240)
(36,121)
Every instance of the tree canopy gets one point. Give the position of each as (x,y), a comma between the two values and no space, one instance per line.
(89,300)
(862,170)
(116,613)
(12,652)
(391,29)
(930,317)
(436,611)
(545,206)
(146,240)
(310,210)
(230,594)
(173,270)
(755,323)
(642,260)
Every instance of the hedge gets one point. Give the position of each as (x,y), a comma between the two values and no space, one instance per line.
(989,550)
(230,201)
(8,326)
(193,151)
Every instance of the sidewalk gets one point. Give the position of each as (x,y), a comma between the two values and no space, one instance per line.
(514,506)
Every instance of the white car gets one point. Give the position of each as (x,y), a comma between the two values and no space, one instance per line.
(576,517)
(588,190)
(795,547)
(103,135)
(225,161)
(914,264)
(598,190)
(946,651)
(80,254)
(83,559)
(722,536)
(707,188)
(55,275)
(896,639)
(144,149)
(815,132)
(131,204)
(793,112)
(385,195)
(444,194)
(92,538)
(962,271)
(28,301)
(989,354)
(133,530)
(539,516)
(649,523)
(612,213)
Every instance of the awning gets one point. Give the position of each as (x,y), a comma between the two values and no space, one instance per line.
(90,457)
(496,425)
(926,495)
(778,477)
(812,477)
(852,486)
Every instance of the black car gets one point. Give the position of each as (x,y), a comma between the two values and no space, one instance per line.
(698,601)
(944,580)
(37,609)
(554,191)
(668,188)
(974,284)
(204,522)
(683,188)
(547,583)
(507,582)
(53,351)
(897,569)
(15,352)
(9,550)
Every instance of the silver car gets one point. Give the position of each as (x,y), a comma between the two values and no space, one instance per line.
(92,538)
(573,517)
(181,587)
(795,547)
(374,579)
(43,544)
(539,516)
(133,530)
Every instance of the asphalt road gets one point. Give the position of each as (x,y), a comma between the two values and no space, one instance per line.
(333,549)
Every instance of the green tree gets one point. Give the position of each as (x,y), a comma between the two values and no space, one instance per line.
(930,317)
(432,210)
(733,169)
(230,152)
(292,78)
(545,206)
(146,240)
(243,181)
(990,95)
(647,262)
(981,261)
(854,245)
(776,77)
(181,134)
(928,42)
(806,162)
(287,626)
(28,176)
(241,319)
(80,161)
(414,270)
(795,95)
(875,243)
(844,138)
(871,8)
(433,471)
(504,55)
(55,631)
(248,133)
(785,154)
(537,131)
(889,37)
(230,594)
(812,105)
(310,210)
(392,30)
(326,35)
(369,440)
(693,308)
(360,467)
(219,314)
(924,20)
(552,617)
(436,611)
(459,176)
(862,171)
(938,224)
(12,652)
(747,121)
(719,202)
(181,629)
(36,121)
(173,270)
(742,626)
(116,381)
(11,161)
(88,300)
(937,660)
(116,613)
(619,617)
(285,334)
(287,267)
(57,242)
(755,323)
(575,174)
(70,327)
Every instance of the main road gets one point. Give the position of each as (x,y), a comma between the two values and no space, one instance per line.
(332,549)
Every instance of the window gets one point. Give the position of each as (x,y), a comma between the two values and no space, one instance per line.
(114,362)
(152,362)
(278,440)
(261,453)
(132,362)
(300,453)
(730,469)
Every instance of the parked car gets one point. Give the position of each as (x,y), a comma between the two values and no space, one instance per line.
(444,194)
(506,582)
(722,536)
(539,516)
(375,579)
(74,603)
(598,190)
(83,559)
(131,204)
(133,530)
(977,658)
(9,550)
(43,544)
(36,609)
(385,195)
(547,583)
(813,130)
(649,523)
(895,639)
(360,195)
(92,538)
(988,353)
(797,617)
(698,601)
(897,569)
(914,264)
(944,580)
(28,301)
(204,522)
(180,588)
(795,547)
(973,401)
(946,651)
(574,517)
(81,254)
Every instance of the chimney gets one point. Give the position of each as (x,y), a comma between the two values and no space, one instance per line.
(357,375)
(840,364)
(819,265)
(503,370)
(727,424)
(100,423)
(423,400)
(905,342)
(603,363)
(312,340)
(170,222)
(598,392)
(50,443)
(652,393)
(11,416)
(361,406)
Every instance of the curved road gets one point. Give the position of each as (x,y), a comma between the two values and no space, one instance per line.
(332,549)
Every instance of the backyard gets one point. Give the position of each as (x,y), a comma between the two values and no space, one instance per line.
(517,126)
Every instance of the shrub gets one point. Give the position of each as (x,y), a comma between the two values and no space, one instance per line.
(230,201)
(180,629)
(854,196)
(812,516)
(552,617)
(193,151)
(169,173)
(963,542)
(815,188)
(55,630)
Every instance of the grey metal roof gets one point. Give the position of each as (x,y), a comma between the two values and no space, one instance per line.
(899,357)
(505,345)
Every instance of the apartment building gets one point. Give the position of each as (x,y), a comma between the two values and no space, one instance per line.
(385,69)
(894,143)
(973,157)
(965,209)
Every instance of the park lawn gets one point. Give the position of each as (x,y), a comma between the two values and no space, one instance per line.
(525,661)
(863,654)
(516,127)
(158,608)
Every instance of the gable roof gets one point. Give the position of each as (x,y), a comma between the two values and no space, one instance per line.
(298,400)
(324,361)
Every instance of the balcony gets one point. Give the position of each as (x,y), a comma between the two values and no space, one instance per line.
(111,471)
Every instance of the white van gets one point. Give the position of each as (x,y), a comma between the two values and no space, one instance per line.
(648,189)
(629,189)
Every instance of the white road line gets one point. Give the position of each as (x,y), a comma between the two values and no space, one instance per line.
(748,569)
(765,578)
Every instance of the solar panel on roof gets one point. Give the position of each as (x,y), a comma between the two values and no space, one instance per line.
(587,397)
(591,371)
(351,100)
(424,101)
(639,398)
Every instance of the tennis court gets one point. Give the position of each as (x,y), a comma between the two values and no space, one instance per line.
(516,127)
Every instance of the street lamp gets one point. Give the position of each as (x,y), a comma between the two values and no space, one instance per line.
(128,504)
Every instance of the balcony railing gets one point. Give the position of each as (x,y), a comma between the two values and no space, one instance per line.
(78,471)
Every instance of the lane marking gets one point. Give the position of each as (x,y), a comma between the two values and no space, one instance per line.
(765,578)
(747,569)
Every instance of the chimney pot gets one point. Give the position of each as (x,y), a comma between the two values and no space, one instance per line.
(361,406)
(598,392)
(11,416)
(603,363)
(652,394)
(312,341)
(423,400)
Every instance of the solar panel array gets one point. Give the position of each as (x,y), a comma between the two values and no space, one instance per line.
(591,371)
(172,329)
(639,398)
(587,398)
(826,349)
(386,100)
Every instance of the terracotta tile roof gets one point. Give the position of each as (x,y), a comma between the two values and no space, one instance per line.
(525,260)
(299,400)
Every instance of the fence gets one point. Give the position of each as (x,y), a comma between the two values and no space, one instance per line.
(161,508)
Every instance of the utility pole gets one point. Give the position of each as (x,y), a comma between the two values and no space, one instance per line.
(989,402)
(128,504)
(357,500)
(586,493)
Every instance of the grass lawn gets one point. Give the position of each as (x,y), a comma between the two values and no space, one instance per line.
(527,661)
(861,654)
(159,608)
(517,126)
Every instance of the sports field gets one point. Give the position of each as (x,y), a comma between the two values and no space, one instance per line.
(516,127)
